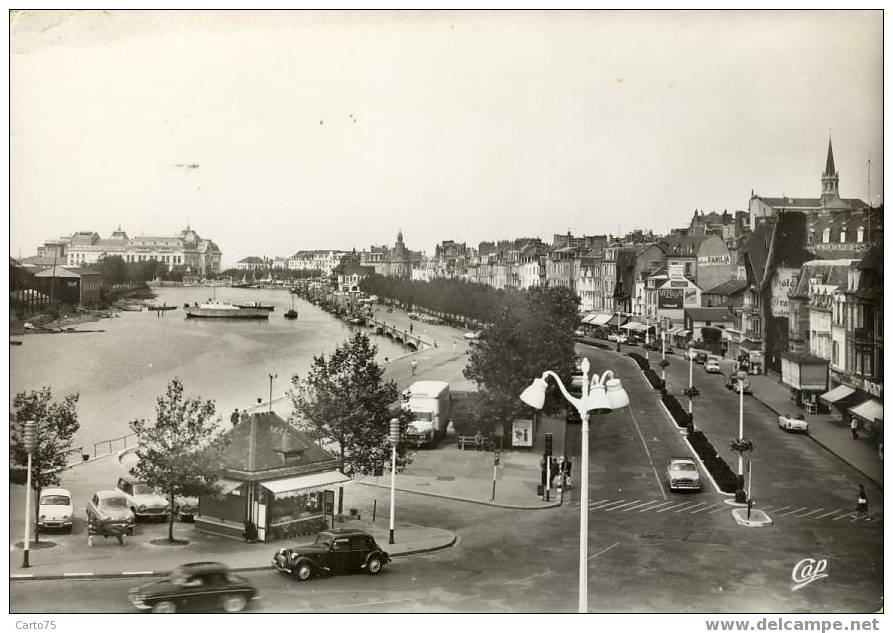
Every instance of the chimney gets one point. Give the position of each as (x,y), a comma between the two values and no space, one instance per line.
(252,441)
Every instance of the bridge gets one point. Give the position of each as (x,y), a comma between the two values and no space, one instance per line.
(413,341)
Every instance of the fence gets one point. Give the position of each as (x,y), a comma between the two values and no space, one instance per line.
(113,445)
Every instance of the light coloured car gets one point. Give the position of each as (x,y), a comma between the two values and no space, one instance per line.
(618,338)
(143,500)
(472,336)
(682,474)
(712,365)
(579,333)
(793,422)
(54,509)
(108,508)
(185,508)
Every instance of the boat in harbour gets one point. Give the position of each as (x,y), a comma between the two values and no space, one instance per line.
(215,310)
(292,313)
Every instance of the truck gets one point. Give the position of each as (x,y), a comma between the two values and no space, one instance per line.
(429,402)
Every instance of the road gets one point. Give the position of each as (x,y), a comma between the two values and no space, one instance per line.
(649,550)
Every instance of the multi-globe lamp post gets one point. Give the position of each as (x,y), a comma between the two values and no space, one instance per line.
(601,395)
(394,438)
(29,443)
(740,444)
(692,391)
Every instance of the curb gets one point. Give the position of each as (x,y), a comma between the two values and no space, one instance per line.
(492,504)
(150,574)
(830,450)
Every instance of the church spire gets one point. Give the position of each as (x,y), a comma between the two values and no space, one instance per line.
(830,179)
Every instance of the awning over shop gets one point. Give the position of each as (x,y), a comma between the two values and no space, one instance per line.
(226,486)
(838,393)
(870,410)
(674,331)
(614,322)
(635,327)
(601,319)
(293,486)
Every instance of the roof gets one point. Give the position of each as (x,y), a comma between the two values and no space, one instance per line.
(250,260)
(279,449)
(830,272)
(103,494)
(829,164)
(730,287)
(709,314)
(70,272)
(675,244)
(810,203)
(804,358)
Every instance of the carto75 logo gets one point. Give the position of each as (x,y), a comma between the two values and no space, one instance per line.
(808,570)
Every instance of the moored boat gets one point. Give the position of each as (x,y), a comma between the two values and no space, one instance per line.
(224,311)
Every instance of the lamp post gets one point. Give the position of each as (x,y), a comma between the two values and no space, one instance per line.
(395,439)
(618,329)
(272,376)
(647,337)
(740,495)
(601,396)
(29,442)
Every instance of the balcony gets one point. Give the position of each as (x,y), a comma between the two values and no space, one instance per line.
(863,335)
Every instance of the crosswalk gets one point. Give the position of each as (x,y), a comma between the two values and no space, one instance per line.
(715,506)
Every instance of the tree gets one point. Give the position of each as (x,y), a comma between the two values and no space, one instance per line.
(57,422)
(113,269)
(180,453)
(531,334)
(344,400)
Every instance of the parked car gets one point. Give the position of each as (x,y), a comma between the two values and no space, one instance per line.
(682,474)
(732,383)
(700,357)
(54,509)
(793,422)
(618,338)
(712,365)
(690,354)
(472,336)
(339,550)
(185,508)
(579,333)
(143,500)
(109,508)
(203,586)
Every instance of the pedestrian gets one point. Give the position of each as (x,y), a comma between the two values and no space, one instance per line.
(566,472)
(862,503)
(413,366)
(250,532)
(234,417)
(410,328)
(243,416)
(454,347)
(853,426)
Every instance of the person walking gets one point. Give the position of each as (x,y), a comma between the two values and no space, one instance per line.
(862,503)
(234,417)
(454,347)
(243,416)
(853,426)
(413,366)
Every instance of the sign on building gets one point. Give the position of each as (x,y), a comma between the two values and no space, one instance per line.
(670,298)
(784,281)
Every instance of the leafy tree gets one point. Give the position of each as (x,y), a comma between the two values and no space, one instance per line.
(180,453)
(344,400)
(57,422)
(113,269)
(533,333)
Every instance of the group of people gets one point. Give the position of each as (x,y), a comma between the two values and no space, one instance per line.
(236,417)
(559,470)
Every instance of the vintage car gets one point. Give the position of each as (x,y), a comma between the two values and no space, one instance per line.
(618,338)
(700,357)
(143,500)
(712,365)
(108,509)
(472,336)
(579,333)
(54,509)
(185,508)
(203,586)
(682,474)
(732,384)
(793,422)
(339,550)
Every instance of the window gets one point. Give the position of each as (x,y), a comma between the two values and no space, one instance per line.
(860,234)
(842,236)
(826,235)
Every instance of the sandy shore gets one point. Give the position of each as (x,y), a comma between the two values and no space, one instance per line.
(46,324)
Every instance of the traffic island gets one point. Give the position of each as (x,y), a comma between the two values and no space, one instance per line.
(35,545)
(758,518)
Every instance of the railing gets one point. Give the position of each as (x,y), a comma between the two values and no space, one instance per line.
(111,443)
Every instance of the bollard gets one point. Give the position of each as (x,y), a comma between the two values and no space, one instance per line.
(374,506)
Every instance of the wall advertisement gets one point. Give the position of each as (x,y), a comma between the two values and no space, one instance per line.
(783,283)
(670,298)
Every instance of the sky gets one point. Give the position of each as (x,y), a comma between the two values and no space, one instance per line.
(273,132)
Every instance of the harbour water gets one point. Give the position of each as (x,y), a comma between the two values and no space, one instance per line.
(119,373)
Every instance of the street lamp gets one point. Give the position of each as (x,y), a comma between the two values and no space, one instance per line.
(740,496)
(603,395)
(272,376)
(394,439)
(29,443)
(691,392)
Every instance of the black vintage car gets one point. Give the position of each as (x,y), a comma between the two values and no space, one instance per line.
(195,587)
(339,550)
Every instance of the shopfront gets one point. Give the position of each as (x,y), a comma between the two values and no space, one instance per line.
(807,377)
